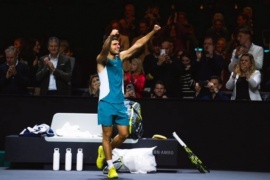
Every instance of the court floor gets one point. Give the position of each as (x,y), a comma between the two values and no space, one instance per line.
(180,174)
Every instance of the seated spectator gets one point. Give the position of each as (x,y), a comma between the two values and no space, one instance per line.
(245,80)
(93,86)
(136,76)
(159,91)
(246,46)
(214,85)
(54,71)
(13,74)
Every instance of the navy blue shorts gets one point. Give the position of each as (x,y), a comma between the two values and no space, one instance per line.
(110,113)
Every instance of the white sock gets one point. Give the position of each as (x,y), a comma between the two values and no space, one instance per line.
(110,164)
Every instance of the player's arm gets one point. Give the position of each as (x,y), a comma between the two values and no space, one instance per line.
(138,44)
(102,57)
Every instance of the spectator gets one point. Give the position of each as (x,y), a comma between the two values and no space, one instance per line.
(187,32)
(130,91)
(142,31)
(153,16)
(249,12)
(245,80)
(218,30)
(150,66)
(13,74)
(242,21)
(20,45)
(246,46)
(166,69)
(159,91)
(66,50)
(186,73)
(214,86)
(208,63)
(93,86)
(31,58)
(222,50)
(54,71)
(129,22)
(137,77)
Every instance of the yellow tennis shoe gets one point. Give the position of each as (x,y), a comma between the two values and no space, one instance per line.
(101,158)
(112,174)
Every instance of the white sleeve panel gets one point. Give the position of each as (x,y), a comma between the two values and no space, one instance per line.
(104,88)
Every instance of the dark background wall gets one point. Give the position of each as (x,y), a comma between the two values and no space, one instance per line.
(225,135)
(83,22)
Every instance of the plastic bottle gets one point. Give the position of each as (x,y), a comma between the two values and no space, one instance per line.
(79,164)
(56,159)
(68,159)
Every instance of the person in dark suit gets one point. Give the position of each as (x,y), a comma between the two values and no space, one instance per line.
(54,71)
(14,75)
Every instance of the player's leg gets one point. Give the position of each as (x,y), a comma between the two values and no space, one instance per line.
(122,135)
(106,120)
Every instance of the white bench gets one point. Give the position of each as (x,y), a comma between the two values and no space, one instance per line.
(87,122)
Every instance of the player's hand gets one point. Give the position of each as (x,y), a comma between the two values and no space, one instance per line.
(156,28)
(114,32)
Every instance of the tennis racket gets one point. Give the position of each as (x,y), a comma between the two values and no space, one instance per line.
(193,158)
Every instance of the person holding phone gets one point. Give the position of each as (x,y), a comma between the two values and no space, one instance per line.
(208,63)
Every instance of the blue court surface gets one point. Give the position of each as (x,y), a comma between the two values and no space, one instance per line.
(180,174)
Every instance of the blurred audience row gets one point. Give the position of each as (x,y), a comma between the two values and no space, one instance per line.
(173,64)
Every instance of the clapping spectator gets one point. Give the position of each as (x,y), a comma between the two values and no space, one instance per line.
(246,46)
(14,75)
(245,80)
(54,71)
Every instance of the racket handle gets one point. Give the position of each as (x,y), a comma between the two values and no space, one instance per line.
(179,140)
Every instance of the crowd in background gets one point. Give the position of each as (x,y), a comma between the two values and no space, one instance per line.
(175,63)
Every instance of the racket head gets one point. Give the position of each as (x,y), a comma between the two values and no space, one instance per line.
(196,161)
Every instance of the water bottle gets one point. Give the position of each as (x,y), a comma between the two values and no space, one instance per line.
(68,159)
(79,164)
(56,159)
